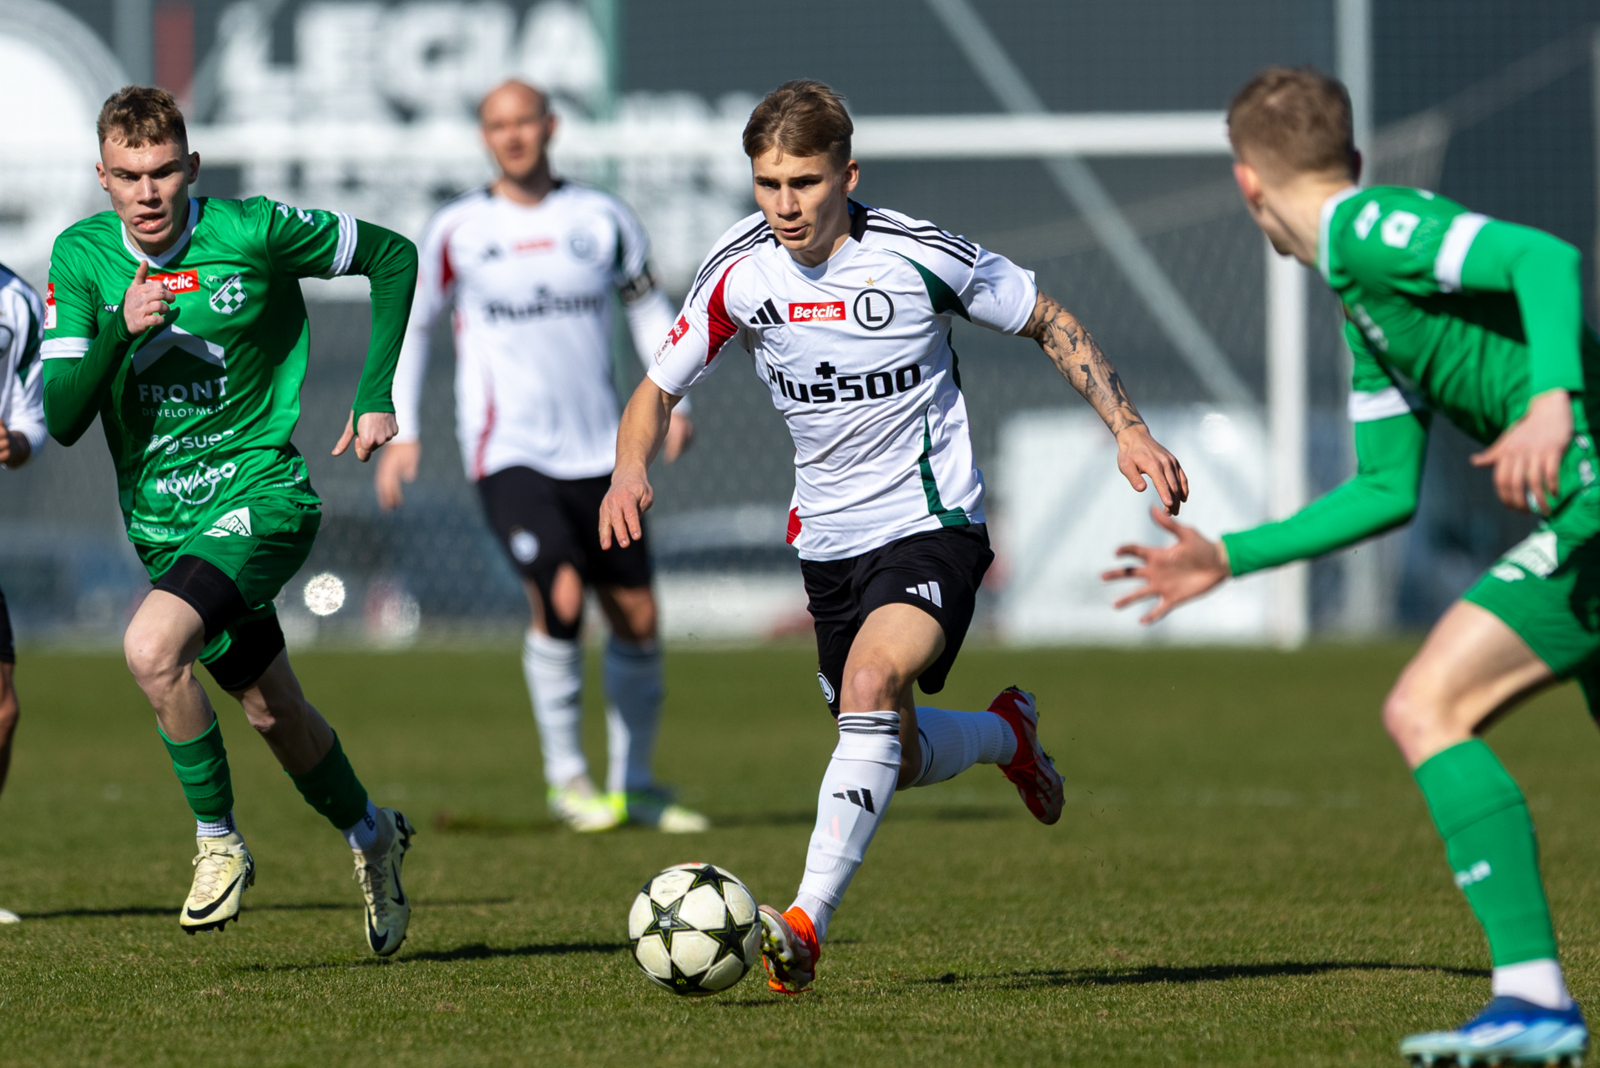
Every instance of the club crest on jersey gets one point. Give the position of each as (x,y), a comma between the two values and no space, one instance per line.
(675,335)
(227,293)
(822,311)
(179,281)
(582,245)
(873,309)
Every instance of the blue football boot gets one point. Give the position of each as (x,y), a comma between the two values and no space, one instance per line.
(1507,1031)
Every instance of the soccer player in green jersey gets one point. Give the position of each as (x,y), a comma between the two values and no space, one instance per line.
(179,322)
(1479,321)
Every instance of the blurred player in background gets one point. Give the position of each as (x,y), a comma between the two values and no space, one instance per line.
(1481,321)
(178,321)
(530,263)
(22,435)
(847,311)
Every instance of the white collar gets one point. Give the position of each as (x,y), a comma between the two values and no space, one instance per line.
(177,246)
(1325,228)
(845,254)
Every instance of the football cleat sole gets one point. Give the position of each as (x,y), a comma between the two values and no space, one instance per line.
(789,950)
(1031,770)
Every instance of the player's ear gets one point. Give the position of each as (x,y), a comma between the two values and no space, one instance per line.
(1355,166)
(100,173)
(193,168)
(1249,181)
(852,176)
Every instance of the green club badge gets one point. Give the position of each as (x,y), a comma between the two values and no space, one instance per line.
(227,294)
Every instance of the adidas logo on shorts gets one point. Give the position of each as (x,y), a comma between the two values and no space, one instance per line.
(928,591)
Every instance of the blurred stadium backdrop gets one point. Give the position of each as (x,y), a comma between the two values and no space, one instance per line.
(1084,140)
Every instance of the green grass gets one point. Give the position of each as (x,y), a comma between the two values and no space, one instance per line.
(1244,875)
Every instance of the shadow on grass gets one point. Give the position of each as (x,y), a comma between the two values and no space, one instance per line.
(1200,973)
(305,906)
(450,823)
(475,951)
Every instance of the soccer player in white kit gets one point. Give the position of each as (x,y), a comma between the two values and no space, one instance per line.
(846,311)
(530,263)
(22,435)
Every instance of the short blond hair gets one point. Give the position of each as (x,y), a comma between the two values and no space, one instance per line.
(1293,120)
(140,115)
(800,118)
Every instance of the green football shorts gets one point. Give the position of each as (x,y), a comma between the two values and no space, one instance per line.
(1547,587)
(259,544)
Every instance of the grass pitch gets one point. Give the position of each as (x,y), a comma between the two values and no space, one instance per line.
(1244,875)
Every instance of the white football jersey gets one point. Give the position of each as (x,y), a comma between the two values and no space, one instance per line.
(856,354)
(532,290)
(21,370)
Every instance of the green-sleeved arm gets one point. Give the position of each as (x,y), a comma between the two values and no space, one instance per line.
(74,389)
(1546,275)
(390,262)
(1381,495)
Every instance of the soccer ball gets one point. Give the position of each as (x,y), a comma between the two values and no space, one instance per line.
(694,929)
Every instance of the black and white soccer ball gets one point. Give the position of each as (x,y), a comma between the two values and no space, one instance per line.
(694,929)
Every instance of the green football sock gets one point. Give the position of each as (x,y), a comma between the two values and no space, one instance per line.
(1489,840)
(333,789)
(202,767)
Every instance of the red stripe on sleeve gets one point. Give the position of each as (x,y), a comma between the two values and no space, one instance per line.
(719,324)
(447,272)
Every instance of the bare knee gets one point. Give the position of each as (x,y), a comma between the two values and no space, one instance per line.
(1420,719)
(269,713)
(566,594)
(156,665)
(873,686)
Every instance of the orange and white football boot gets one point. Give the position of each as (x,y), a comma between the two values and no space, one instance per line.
(789,949)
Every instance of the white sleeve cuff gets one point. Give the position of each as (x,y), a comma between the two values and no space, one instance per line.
(1384,404)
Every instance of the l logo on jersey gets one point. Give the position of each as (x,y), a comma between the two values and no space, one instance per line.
(873,309)
(822,311)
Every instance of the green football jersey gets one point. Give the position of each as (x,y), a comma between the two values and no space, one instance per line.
(1420,336)
(200,412)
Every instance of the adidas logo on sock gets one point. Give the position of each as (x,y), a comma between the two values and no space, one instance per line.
(928,591)
(234,522)
(860,798)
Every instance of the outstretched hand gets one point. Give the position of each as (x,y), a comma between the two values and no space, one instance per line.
(1140,455)
(1174,574)
(1527,457)
(369,435)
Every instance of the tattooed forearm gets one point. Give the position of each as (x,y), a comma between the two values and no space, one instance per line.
(1081,363)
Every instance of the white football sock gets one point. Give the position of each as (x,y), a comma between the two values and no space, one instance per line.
(816,908)
(633,686)
(855,793)
(554,670)
(215,828)
(363,833)
(954,741)
(1538,981)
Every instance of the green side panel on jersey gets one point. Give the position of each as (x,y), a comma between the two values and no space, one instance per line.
(950,517)
(940,295)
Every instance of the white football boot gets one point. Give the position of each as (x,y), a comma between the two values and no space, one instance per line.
(388,908)
(223,870)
